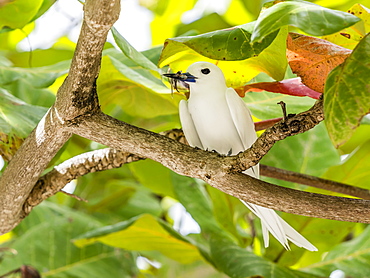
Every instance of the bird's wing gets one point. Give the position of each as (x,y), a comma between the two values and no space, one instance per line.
(242,118)
(188,126)
(243,122)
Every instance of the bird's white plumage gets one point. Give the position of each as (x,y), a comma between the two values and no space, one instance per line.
(190,132)
(215,118)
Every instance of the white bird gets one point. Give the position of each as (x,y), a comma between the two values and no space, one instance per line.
(215,118)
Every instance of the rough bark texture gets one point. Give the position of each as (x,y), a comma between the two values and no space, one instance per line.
(294,124)
(105,159)
(25,168)
(77,96)
(220,171)
(90,162)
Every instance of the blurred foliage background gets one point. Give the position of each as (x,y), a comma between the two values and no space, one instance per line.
(142,220)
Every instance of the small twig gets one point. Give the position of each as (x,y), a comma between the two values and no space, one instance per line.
(281,174)
(74,196)
(283,107)
(293,125)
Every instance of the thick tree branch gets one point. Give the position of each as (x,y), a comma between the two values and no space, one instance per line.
(77,96)
(105,159)
(26,166)
(80,165)
(218,171)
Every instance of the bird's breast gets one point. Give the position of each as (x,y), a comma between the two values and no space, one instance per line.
(214,124)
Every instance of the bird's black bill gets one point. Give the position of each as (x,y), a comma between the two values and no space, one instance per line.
(186,77)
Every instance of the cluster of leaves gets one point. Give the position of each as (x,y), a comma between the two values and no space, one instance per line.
(129,210)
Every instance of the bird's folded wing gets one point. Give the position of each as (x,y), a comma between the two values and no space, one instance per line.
(242,118)
(188,126)
(243,122)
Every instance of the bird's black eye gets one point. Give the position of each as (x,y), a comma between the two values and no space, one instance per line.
(205,71)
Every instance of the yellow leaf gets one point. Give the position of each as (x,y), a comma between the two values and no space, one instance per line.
(146,234)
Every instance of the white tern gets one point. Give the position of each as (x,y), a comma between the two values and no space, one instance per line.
(215,118)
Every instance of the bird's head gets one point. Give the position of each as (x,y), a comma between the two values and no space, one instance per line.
(206,72)
(200,76)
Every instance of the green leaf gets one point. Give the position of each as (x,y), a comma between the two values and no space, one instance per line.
(351,36)
(25,91)
(310,18)
(154,176)
(17,119)
(16,116)
(16,14)
(323,233)
(347,94)
(142,234)
(41,77)
(359,137)
(145,80)
(207,23)
(352,257)
(264,104)
(46,4)
(46,245)
(232,44)
(355,169)
(296,153)
(29,84)
(224,211)
(40,57)
(132,53)
(238,262)
(231,49)
(196,201)
(137,92)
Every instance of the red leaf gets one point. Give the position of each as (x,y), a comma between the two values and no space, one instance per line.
(262,125)
(293,87)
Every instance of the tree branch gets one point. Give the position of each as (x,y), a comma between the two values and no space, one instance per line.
(77,96)
(329,185)
(56,179)
(293,125)
(219,171)
(105,159)
(26,166)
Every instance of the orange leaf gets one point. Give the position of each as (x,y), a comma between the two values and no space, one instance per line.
(312,59)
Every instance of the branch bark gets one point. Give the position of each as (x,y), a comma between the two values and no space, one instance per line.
(294,124)
(105,159)
(77,96)
(56,179)
(329,185)
(221,172)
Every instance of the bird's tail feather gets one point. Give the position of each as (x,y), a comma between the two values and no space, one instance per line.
(281,230)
